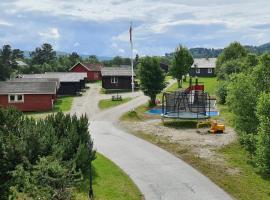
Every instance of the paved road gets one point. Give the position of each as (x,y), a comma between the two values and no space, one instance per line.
(158,174)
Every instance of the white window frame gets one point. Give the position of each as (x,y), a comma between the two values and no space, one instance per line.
(114,79)
(198,71)
(15,98)
(209,70)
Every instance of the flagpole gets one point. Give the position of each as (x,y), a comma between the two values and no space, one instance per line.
(131,58)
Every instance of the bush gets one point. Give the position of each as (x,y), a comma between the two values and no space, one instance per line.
(30,150)
(263,139)
(221,92)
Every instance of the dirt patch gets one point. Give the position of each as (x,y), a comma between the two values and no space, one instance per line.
(199,141)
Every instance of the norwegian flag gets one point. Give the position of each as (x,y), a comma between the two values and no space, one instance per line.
(130,33)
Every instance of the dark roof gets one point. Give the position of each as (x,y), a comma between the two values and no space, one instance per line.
(116,71)
(204,63)
(27,87)
(89,66)
(62,76)
(55,80)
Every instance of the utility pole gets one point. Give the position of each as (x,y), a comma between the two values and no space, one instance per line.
(131,58)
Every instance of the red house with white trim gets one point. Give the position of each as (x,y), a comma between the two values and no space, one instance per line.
(28,96)
(93,70)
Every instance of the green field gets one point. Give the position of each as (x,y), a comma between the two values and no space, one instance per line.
(210,84)
(108,103)
(63,104)
(110,183)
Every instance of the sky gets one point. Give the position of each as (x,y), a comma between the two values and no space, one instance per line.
(101,27)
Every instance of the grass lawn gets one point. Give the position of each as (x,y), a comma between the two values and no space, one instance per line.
(110,183)
(210,84)
(138,114)
(108,103)
(63,104)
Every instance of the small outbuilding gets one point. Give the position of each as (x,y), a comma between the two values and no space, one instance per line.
(70,83)
(28,96)
(93,70)
(203,67)
(116,77)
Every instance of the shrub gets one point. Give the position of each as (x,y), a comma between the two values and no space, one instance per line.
(221,92)
(31,150)
(263,142)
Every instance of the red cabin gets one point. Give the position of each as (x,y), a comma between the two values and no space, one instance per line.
(28,96)
(93,70)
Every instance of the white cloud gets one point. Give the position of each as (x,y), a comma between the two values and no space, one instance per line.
(51,33)
(235,20)
(5,23)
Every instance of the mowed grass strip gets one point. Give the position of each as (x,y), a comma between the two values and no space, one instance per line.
(110,183)
(210,84)
(108,103)
(63,104)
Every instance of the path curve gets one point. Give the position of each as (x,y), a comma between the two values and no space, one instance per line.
(158,174)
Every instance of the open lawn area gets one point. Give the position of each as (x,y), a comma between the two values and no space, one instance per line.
(63,104)
(108,103)
(210,84)
(110,183)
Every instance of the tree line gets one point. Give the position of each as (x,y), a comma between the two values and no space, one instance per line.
(45,158)
(244,85)
(44,59)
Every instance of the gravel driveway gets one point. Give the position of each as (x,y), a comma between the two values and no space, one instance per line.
(158,174)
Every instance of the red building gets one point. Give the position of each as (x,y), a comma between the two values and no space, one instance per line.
(93,70)
(28,96)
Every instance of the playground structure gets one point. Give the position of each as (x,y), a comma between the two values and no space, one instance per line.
(190,103)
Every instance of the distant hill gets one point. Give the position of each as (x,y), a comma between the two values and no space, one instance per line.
(62,53)
(200,52)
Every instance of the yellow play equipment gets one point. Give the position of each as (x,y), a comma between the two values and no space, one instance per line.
(216,127)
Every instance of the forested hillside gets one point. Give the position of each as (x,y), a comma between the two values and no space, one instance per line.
(200,52)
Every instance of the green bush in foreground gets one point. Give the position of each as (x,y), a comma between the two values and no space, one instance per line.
(42,158)
(263,143)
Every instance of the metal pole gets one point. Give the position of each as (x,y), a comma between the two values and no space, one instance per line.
(91,193)
(132,70)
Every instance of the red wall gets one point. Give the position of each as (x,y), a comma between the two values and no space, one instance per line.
(91,75)
(37,102)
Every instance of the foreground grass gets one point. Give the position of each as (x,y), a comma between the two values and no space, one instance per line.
(110,183)
(235,175)
(108,103)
